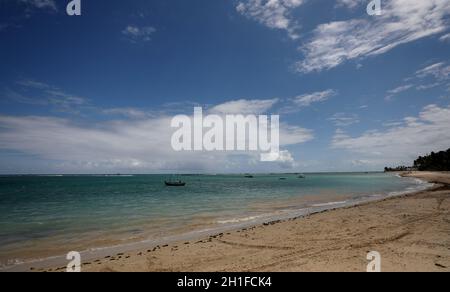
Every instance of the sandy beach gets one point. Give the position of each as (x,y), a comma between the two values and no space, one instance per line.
(411,232)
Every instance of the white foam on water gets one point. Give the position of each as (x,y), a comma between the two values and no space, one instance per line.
(330,204)
(238,220)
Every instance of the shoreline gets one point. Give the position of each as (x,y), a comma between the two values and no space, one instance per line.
(255,248)
(127,259)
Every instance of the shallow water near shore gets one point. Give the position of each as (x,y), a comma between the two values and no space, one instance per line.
(47,216)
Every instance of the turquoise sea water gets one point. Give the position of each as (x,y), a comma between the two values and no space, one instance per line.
(43,216)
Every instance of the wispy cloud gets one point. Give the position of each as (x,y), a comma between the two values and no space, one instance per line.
(428,86)
(344,119)
(445,38)
(275,14)
(440,71)
(402,21)
(429,77)
(24,10)
(128,112)
(30,83)
(437,74)
(136,34)
(397,90)
(351,4)
(38,93)
(244,106)
(11,95)
(41,4)
(400,89)
(306,100)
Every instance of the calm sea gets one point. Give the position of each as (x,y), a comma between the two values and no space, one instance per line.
(44,216)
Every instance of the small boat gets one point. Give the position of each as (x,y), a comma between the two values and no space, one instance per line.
(249,176)
(175,183)
(301,176)
(283,178)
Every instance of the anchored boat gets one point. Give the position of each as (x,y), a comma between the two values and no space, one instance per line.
(175,183)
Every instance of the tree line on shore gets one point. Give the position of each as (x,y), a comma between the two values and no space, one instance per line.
(439,161)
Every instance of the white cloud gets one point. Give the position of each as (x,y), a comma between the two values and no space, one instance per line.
(344,120)
(402,21)
(437,74)
(429,77)
(244,106)
(400,89)
(401,144)
(445,38)
(293,135)
(308,99)
(349,3)
(275,14)
(136,34)
(440,71)
(126,112)
(130,145)
(428,86)
(397,90)
(285,160)
(391,124)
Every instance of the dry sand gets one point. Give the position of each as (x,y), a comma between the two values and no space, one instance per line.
(411,232)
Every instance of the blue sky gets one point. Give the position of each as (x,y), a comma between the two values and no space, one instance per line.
(94,93)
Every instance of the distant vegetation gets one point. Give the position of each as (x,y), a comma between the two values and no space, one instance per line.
(433,162)
(399,168)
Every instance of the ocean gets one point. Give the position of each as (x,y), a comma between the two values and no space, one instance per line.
(47,216)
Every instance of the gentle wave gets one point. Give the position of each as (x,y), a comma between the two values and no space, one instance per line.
(238,220)
(330,204)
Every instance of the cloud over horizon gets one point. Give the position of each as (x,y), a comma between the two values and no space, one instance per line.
(141,144)
(401,143)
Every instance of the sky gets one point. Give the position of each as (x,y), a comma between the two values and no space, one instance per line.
(96,93)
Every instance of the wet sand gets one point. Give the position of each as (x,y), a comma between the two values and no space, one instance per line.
(411,232)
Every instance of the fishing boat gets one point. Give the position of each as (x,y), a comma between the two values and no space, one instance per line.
(175,183)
